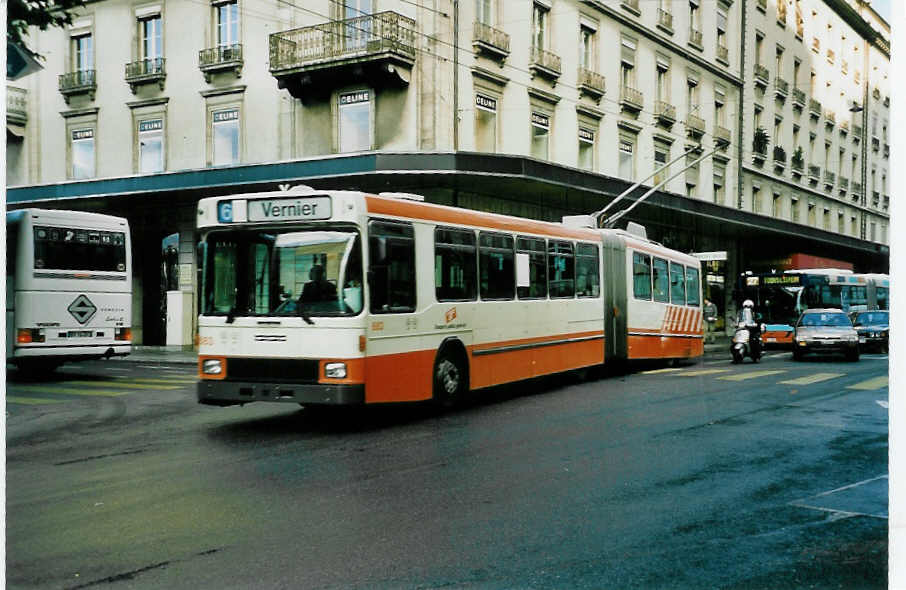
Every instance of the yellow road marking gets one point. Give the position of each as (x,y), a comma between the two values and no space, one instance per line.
(809,379)
(750,375)
(657,371)
(73,391)
(127,385)
(876,383)
(704,372)
(164,381)
(32,401)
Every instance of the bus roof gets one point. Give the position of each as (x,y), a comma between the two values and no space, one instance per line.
(65,216)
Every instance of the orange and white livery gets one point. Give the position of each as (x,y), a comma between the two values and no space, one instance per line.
(341,297)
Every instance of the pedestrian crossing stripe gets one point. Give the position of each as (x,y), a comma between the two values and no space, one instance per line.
(32,401)
(126,383)
(810,379)
(72,390)
(750,375)
(876,383)
(659,371)
(704,372)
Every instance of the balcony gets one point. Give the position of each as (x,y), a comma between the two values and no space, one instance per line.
(545,64)
(377,48)
(722,134)
(779,157)
(224,58)
(695,126)
(591,83)
(830,56)
(798,98)
(829,178)
(78,82)
(857,132)
(664,112)
(695,39)
(843,185)
(857,189)
(632,6)
(844,66)
(875,198)
(830,118)
(762,5)
(844,127)
(781,88)
(146,71)
(886,202)
(761,76)
(16,105)
(723,54)
(816,44)
(797,164)
(665,21)
(492,42)
(886,150)
(631,99)
(814,173)
(876,93)
(875,144)
(814,108)
(886,101)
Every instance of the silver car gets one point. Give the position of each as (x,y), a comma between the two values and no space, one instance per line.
(823,331)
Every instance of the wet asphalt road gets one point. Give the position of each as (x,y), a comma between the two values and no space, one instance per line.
(707,475)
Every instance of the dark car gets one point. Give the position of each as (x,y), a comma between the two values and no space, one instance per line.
(824,331)
(873,328)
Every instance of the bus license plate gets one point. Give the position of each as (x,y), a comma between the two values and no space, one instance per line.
(80,334)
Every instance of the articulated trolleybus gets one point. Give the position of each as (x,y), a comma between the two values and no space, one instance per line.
(68,287)
(336,297)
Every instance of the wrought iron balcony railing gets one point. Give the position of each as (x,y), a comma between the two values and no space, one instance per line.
(695,38)
(722,134)
(814,173)
(78,82)
(490,40)
(695,125)
(665,20)
(723,53)
(16,105)
(829,178)
(631,99)
(797,163)
(545,63)
(665,112)
(761,75)
(591,83)
(146,71)
(798,97)
(857,189)
(843,185)
(779,156)
(383,32)
(220,58)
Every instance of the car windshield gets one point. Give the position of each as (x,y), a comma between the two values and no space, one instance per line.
(289,273)
(872,318)
(825,319)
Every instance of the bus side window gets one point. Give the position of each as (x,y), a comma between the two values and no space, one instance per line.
(454,264)
(536,251)
(677,284)
(641,276)
(587,274)
(692,287)
(391,268)
(561,282)
(12,250)
(497,266)
(661,280)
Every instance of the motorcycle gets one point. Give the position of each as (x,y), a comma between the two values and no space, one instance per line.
(746,342)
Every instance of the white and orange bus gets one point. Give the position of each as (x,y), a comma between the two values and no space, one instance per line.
(340,297)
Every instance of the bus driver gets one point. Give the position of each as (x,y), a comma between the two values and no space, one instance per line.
(318,288)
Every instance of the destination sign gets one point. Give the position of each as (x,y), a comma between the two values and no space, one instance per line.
(781,280)
(297,209)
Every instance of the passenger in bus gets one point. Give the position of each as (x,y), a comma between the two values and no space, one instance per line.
(318,288)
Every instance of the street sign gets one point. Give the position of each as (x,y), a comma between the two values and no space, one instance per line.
(710,256)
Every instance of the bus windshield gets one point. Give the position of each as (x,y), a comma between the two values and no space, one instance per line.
(283,273)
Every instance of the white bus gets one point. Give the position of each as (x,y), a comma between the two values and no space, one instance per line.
(68,287)
(335,297)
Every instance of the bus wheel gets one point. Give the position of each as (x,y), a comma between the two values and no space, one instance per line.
(449,379)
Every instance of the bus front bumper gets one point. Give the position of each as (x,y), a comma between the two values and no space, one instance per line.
(229,393)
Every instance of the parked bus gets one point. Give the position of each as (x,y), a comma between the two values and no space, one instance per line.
(781,298)
(68,287)
(336,297)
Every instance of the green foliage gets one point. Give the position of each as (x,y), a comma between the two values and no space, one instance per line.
(760,141)
(43,14)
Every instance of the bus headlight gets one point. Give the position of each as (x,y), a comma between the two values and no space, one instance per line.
(335,370)
(212,366)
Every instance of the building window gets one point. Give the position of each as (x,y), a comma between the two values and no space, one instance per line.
(692,173)
(777,207)
(627,62)
(150,32)
(627,158)
(841,223)
(827,219)
(541,130)
(778,62)
(663,80)
(586,149)
(756,199)
(694,16)
(587,48)
(539,26)
(82,53)
(759,43)
(485,123)
(228,24)
(661,156)
(720,115)
(82,149)
(721,26)
(150,146)
(692,95)
(778,130)
(225,133)
(794,210)
(719,193)
(354,121)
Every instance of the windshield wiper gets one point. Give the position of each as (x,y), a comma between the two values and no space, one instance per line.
(301,308)
(231,315)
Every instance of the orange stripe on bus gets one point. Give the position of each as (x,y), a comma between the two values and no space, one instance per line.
(401,377)
(514,365)
(653,347)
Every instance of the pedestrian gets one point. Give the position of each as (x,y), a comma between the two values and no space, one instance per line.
(710,313)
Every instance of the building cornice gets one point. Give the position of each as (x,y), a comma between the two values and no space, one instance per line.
(664,41)
(860,25)
(79,112)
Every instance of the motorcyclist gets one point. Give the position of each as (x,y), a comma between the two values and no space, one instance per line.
(752,322)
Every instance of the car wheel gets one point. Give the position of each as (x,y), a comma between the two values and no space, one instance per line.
(797,355)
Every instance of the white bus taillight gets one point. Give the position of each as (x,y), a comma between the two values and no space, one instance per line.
(29,335)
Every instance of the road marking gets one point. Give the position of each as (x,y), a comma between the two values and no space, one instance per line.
(876,383)
(129,385)
(32,401)
(704,372)
(658,371)
(164,381)
(750,375)
(883,404)
(73,391)
(809,379)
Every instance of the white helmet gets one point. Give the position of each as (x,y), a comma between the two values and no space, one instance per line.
(748,303)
